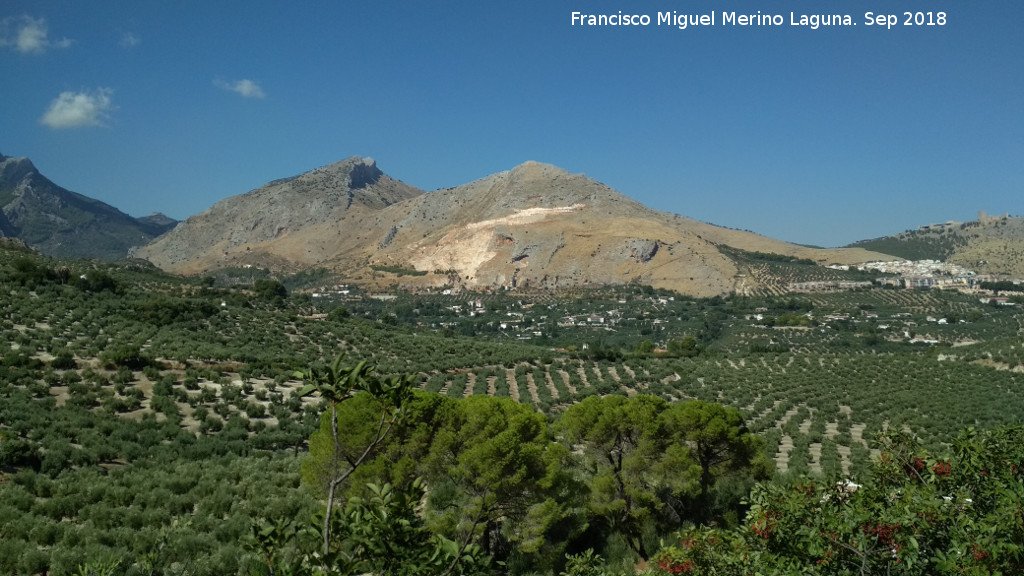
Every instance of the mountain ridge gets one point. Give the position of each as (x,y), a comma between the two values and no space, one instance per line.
(535,225)
(59,222)
(333,194)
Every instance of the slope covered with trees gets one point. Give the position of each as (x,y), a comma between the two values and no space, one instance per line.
(156,424)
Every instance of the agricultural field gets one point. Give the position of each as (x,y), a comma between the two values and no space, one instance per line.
(121,372)
(809,370)
(774,273)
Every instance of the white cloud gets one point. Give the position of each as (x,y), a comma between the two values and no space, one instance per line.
(76,109)
(129,40)
(30,35)
(247,88)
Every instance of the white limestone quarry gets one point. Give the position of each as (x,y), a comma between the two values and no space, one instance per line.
(467,248)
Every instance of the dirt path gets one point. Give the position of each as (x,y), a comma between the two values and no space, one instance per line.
(614,374)
(583,376)
(513,387)
(781,423)
(551,386)
(565,379)
(782,457)
(857,433)
(531,387)
(815,463)
(844,458)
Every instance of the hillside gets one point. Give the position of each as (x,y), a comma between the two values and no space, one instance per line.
(535,226)
(288,224)
(988,245)
(62,223)
(146,417)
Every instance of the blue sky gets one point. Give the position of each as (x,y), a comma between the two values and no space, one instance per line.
(820,136)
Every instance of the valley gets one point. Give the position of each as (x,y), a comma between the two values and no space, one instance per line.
(115,375)
(558,371)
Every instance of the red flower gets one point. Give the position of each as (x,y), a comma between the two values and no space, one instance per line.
(942,469)
(978,553)
(675,567)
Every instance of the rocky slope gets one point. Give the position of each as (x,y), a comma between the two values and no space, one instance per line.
(288,224)
(62,223)
(535,226)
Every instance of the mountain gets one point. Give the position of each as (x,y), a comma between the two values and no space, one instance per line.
(535,226)
(988,245)
(62,223)
(287,224)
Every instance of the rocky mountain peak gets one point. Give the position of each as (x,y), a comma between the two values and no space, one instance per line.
(352,173)
(279,220)
(159,218)
(533,170)
(13,170)
(536,184)
(63,223)
(364,174)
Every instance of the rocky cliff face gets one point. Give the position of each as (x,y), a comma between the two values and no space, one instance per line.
(538,226)
(288,223)
(59,222)
(535,226)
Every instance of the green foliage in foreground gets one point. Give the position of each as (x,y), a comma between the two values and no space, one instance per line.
(479,479)
(655,463)
(379,534)
(958,514)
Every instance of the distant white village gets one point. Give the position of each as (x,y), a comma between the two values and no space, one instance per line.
(908,274)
